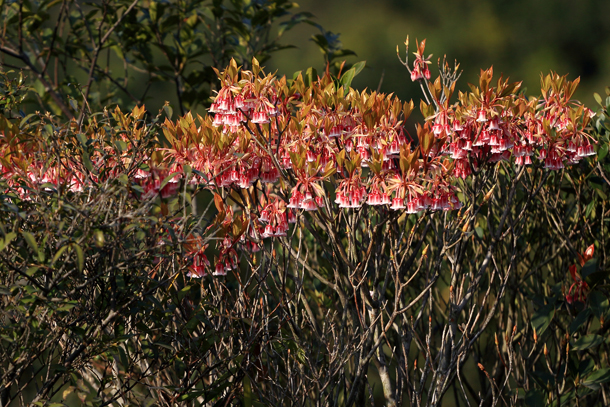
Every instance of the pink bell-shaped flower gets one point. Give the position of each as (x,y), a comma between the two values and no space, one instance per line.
(412,207)
(292,217)
(264,217)
(219,269)
(416,74)
(397,204)
(320,201)
(385,199)
(281,229)
(269,231)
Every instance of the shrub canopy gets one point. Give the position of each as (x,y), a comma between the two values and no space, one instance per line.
(300,246)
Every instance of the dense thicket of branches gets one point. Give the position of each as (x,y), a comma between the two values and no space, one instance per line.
(108,220)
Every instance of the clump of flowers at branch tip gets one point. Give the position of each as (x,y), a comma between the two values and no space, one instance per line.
(420,66)
(579,289)
(200,263)
(26,164)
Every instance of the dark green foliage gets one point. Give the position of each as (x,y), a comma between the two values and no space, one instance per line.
(126,52)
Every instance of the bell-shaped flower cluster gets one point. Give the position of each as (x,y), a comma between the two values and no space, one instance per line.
(494,124)
(79,160)
(275,217)
(302,141)
(291,139)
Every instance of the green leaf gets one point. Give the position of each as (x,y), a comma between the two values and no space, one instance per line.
(7,240)
(543,378)
(359,66)
(346,78)
(201,174)
(580,319)
(80,256)
(32,270)
(303,17)
(58,254)
(192,324)
(67,306)
(49,129)
(120,145)
(586,342)
(590,267)
(163,345)
(598,99)
(39,87)
(193,395)
(596,378)
(565,398)
(7,338)
(99,238)
(542,318)
(82,138)
(599,303)
(168,179)
(30,240)
(169,112)
(123,357)
(602,152)
(25,120)
(589,210)
(583,367)
(534,398)
(311,75)
(123,179)
(479,231)
(87,161)
(591,273)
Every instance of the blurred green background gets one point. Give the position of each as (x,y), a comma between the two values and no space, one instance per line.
(149,59)
(521,39)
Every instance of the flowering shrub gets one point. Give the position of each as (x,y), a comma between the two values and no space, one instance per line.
(264,129)
(340,257)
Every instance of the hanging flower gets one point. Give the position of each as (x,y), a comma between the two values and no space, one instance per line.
(579,289)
